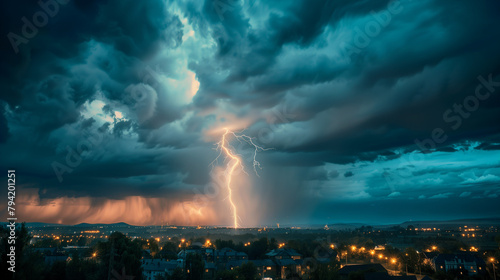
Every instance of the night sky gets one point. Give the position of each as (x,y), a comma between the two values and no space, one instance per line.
(369,111)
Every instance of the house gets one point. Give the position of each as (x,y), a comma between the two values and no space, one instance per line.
(210,255)
(284,254)
(266,268)
(228,254)
(183,253)
(287,266)
(287,261)
(380,248)
(153,268)
(210,270)
(464,263)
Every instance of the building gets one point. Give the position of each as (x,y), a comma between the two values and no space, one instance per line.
(227,254)
(284,254)
(287,261)
(210,271)
(210,255)
(153,268)
(463,263)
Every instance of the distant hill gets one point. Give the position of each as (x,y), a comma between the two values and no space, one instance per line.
(37,224)
(346,226)
(460,222)
(335,226)
(121,224)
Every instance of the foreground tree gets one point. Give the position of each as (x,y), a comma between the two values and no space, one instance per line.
(194,267)
(120,254)
(247,271)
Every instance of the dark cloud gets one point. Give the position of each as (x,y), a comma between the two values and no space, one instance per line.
(140,90)
(348,174)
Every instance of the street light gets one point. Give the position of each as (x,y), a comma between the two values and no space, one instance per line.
(492,260)
(406,262)
(394,262)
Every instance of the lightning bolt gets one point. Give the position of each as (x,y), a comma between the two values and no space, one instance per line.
(234,161)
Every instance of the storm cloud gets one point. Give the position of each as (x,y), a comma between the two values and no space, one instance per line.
(359,103)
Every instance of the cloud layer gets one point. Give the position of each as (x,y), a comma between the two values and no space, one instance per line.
(119,103)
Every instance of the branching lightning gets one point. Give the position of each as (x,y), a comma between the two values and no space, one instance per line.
(234,161)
